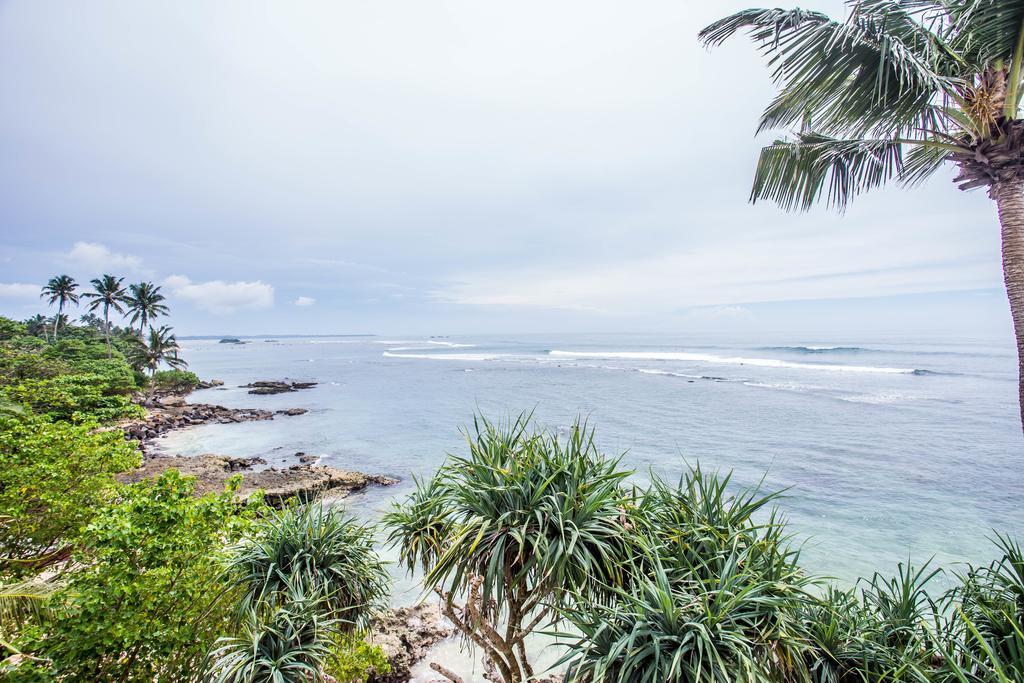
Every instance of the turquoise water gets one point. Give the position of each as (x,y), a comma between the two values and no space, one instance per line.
(890,448)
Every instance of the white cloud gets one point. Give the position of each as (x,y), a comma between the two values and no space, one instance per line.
(304,301)
(769,267)
(217,296)
(18,290)
(98,258)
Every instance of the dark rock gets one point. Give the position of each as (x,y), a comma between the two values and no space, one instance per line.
(265,387)
(231,340)
(306,459)
(291,411)
(406,634)
(173,413)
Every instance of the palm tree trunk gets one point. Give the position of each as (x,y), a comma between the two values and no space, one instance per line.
(106,330)
(56,321)
(1009,196)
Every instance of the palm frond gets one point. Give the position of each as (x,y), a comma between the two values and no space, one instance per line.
(796,173)
(987,30)
(22,602)
(879,71)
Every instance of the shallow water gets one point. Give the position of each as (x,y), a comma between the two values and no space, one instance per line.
(889,448)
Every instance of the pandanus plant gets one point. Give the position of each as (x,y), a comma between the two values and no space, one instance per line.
(526,522)
(897,91)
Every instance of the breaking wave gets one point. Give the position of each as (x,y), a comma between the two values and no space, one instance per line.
(731,360)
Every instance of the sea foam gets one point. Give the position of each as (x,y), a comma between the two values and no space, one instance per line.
(727,360)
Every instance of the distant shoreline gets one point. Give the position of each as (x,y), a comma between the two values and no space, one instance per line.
(200,337)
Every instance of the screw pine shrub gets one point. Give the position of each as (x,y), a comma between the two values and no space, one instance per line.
(524,523)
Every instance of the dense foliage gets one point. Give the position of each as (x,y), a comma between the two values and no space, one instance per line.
(148,599)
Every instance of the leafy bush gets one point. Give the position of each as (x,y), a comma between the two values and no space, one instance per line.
(10,329)
(53,479)
(353,660)
(175,380)
(18,364)
(148,599)
(74,398)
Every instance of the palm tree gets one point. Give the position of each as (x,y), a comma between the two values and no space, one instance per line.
(144,304)
(896,92)
(36,325)
(162,347)
(60,290)
(109,294)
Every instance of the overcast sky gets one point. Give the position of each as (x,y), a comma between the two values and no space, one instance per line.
(444,167)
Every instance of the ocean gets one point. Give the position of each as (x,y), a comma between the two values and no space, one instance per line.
(889,449)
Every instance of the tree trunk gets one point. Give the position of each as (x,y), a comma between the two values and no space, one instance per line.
(1009,196)
(56,321)
(106,330)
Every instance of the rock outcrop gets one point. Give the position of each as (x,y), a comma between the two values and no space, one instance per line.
(304,481)
(276,387)
(172,412)
(406,634)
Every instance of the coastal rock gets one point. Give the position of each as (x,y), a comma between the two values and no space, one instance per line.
(406,634)
(291,411)
(210,384)
(265,387)
(231,340)
(169,413)
(303,481)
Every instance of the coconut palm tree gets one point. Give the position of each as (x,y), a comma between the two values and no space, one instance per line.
(898,90)
(144,303)
(36,325)
(109,293)
(161,347)
(60,290)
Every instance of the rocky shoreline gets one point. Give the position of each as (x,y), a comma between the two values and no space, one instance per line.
(405,634)
(305,480)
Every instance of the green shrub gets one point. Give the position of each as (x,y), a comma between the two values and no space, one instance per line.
(76,398)
(53,479)
(18,364)
(175,380)
(149,598)
(353,660)
(10,329)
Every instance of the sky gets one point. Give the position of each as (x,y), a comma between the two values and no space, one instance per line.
(433,167)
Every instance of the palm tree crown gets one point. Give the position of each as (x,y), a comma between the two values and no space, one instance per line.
(144,303)
(161,347)
(895,92)
(60,290)
(109,293)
